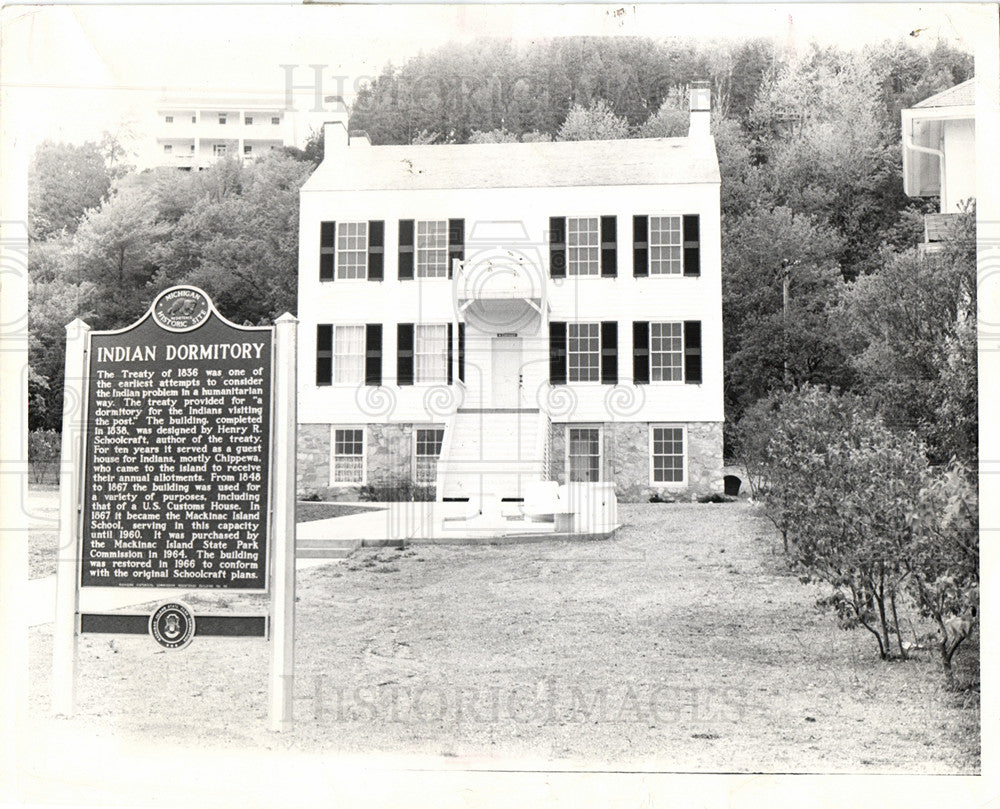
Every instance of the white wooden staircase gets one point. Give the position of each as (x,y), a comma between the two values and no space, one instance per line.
(492,452)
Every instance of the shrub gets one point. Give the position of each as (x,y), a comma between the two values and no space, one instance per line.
(43,454)
(396,490)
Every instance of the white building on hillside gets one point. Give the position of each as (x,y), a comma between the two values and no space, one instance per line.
(193,131)
(476,317)
(939,153)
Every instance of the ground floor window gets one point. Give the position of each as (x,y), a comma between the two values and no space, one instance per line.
(348,456)
(667,453)
(428,450)
(584,454)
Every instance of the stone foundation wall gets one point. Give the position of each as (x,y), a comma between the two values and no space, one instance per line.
(625,460)
(390,452)
(312,469)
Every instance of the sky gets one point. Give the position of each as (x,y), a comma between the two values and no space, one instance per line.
(72,71)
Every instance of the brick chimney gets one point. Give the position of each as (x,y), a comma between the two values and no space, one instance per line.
(701,110)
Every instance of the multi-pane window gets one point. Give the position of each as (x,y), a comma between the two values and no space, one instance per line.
(219,149)
(584,454)
(170,119)
(275,120)
(349,354)
(583,246)
(222,118)
(247,149)
(167,148)
(348,456)
(583,350)
(248,120)
(430,354)
(432,249)
(666,352)
(665,245)
(352,249)
(428,451)
(668,454)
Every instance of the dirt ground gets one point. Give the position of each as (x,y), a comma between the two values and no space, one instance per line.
(681,644)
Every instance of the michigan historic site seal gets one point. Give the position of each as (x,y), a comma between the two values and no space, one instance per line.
(172,625)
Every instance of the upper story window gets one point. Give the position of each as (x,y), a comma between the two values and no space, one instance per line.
(275,120)
(432,248)
(583,246)
(248,120)
(430,354)
(222,118)
(665,245)
(666,352)
(352,249)
(194,119)
(583,344)
(170,119)
(349,355)
(167,148)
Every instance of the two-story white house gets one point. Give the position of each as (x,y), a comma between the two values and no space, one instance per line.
(475,317)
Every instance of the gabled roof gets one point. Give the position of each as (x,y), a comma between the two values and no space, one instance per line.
(649,161)
(961,95)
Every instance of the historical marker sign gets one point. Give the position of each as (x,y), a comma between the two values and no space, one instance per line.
(176,481)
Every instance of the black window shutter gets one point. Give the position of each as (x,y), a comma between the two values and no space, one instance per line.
(404,354)
(451,353)
(327,249)
(456,241)
(640,352)
(640,245)
(324,354)
(557,246)
(692,351)
(692,249)
(557,353)
(609,246)
(461,351)
(405,249)
(373,354)
(609,352)
(376,250)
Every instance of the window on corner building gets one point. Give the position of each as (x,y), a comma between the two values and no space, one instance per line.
(583,351)
(349,355)
(348,456)
(668,454)
(666,352)
(432,248)
(583,246)
(428,451)
(584,451)
(430,354)
(352,250)
(665,245)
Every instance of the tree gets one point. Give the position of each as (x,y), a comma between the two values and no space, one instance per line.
(907,332)
(671,119)
(493,136)
(942,561)
(779,277)
(596,122)
(64,181)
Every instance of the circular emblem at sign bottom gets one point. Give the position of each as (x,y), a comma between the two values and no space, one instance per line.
(172,625)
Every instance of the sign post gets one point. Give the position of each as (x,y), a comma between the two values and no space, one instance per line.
(184,478)
(282,677)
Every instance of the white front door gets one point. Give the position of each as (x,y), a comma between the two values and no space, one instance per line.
(506,372)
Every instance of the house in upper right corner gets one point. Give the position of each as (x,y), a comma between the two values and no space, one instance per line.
(939,155)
